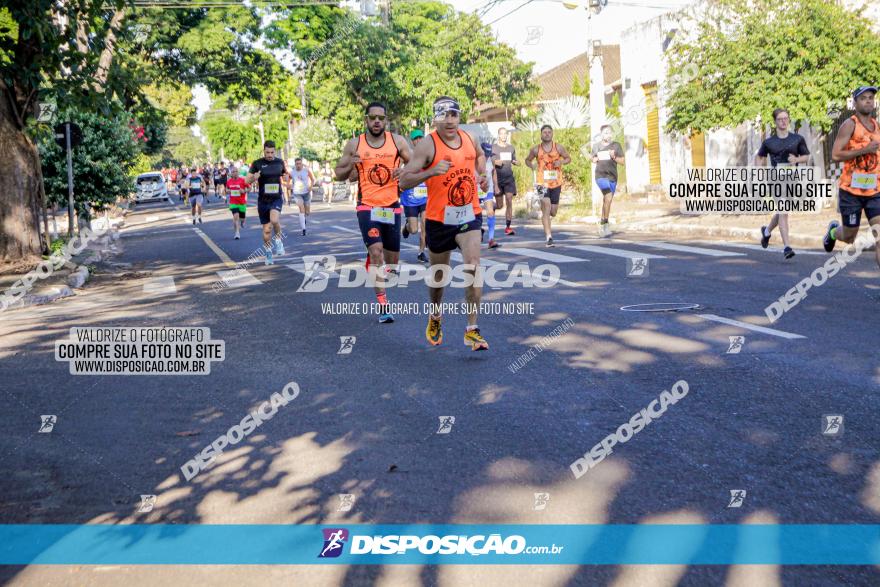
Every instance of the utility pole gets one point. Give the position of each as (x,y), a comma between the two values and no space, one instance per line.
(597,98)
(302,93)
(262,132)
(596,87)
(69,180)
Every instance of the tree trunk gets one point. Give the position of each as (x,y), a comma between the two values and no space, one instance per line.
(19,189)
(109,49)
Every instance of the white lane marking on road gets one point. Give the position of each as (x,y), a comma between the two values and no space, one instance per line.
(300,268)
(160,285)
(626,253)
(151,219)
(294,254)
(217,250)
(311,221)
(349,253)
(685,249)
(748,326)
(344,229)
(543,255)
(238,278)
(456,256)
(420,269)
(568,283)
(760,248)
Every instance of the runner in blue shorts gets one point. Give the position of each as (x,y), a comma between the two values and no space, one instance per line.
(269,172)
(607,155)
(413,201)
(487,198)
(196,198)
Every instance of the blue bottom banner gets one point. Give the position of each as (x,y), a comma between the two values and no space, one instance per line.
(599,544)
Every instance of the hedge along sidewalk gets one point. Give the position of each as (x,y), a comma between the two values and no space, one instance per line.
(72,275)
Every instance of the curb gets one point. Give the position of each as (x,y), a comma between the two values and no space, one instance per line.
(805,241)
(753,235)
(79,277)
(52,294)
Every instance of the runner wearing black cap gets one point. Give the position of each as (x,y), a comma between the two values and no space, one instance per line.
(857,145)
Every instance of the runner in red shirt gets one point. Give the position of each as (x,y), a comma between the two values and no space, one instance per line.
(237,189)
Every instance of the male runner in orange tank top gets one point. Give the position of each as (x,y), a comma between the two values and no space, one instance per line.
(376,156)
(551,157)
(857,145)
(451,165)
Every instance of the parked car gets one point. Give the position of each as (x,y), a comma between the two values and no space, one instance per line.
(150,187)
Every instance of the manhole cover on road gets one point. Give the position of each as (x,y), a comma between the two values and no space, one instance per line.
(660,307)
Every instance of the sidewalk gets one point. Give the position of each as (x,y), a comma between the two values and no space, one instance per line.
(46,287)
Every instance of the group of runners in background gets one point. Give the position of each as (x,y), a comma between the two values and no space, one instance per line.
(441,186)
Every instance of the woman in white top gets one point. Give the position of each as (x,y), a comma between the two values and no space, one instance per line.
(327,183)
(303,180)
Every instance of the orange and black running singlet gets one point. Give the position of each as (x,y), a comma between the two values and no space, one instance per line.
(458,186)
(860,175)
(376,185)
(549,176)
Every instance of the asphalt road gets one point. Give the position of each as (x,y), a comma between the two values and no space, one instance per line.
(365,423)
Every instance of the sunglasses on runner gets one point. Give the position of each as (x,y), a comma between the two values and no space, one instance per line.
(376,117)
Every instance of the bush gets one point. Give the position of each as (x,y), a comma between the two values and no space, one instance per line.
(101,163)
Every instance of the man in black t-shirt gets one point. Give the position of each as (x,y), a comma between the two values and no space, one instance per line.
(783,149)
(269,172)
(503,158)
(606,155)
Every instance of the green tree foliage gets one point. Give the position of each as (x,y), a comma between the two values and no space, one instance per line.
(101,163)
(8,31)
(752,56)
(317,140)
(428,50)
(174,99)
(239,140)
(275,127)
(183,148)
(304,29)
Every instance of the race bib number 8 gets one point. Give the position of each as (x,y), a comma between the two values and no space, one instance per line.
(383,215)
(603,155)
(457,215)
(271,188)
(506,156)
(299,186)
(864,181)
(550,175)
(235,193)
(420,192)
